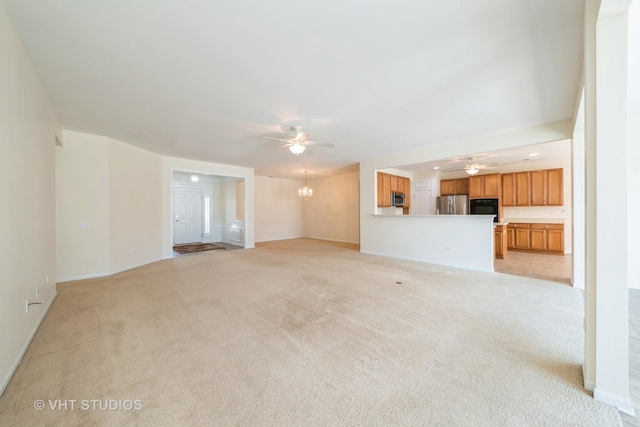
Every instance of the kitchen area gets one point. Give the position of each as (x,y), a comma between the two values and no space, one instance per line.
(529,202)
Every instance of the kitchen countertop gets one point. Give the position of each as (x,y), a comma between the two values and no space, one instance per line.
(534,220)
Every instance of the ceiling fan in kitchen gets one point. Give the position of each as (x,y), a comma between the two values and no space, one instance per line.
(474,167)
(299,142)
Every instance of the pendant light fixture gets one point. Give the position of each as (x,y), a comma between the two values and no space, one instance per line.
(305,191)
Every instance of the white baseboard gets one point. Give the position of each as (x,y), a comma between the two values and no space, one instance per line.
(633,285)
(142,264)
(332,240)
(233,242)
(588,384)
(111,273)
(463,267)
(623,405)
(9,375)
(280,238)
(82,277)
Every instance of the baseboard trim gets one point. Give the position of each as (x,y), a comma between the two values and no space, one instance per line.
(81,277)
(444,264)
(280,238)
(111,273)
(633,285)
(332,240)
(9,375)
(134,266)
(623,405)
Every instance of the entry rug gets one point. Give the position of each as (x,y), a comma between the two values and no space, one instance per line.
(198,247)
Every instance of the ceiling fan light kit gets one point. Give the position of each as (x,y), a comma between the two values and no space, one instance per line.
(297,149)
(298,143)
(472,171)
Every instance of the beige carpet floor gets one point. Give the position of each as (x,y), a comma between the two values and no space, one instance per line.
(307,333)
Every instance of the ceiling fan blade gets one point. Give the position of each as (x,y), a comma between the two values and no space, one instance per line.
(275,139)
(319,144)
(289,144)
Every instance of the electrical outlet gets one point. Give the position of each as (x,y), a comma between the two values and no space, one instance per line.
(47,279)
(84,225)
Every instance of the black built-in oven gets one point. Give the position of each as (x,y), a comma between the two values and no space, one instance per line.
(484,207)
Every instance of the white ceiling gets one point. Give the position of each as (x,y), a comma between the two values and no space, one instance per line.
(494,159)
(208,79)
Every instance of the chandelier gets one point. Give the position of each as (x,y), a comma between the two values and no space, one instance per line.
(305,191)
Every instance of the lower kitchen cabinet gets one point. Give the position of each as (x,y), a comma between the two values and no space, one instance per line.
(536,237)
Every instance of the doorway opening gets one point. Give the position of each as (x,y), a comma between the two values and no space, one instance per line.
(206,210)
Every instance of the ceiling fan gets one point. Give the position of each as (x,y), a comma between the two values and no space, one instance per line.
(474,167)
(298,143)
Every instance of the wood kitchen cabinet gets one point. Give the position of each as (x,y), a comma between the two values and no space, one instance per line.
(407,192)
(547,187)
(384,190)
(387,184)
(451,187)
(500,241)
(485,186)
(516,189)
(547,238)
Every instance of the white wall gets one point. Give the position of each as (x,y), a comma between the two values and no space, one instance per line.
(279,209)
(633,204)
(82,197)
(27,211)
(135,200)
(333,211)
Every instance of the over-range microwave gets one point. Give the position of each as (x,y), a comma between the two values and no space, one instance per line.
(397,199)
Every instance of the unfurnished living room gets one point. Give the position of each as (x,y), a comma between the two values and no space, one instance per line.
(318,213)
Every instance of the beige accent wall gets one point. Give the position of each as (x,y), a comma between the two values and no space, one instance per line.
(135,206)
(333,211)
(279,209)
(82,199)
(28,128)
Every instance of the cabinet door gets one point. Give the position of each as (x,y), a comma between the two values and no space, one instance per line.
(522,188)
(475,187)
(538,188)
(508,189)
(394,183)
(447,187)
(407,192)
(462,186)
(491,185)
(538,240)
(554,187)
(384,190)
(380,189)
(522,236)
(511,238)
(555,240)
(400,185)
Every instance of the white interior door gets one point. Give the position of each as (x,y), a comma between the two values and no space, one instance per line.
(424,202)
(187,211)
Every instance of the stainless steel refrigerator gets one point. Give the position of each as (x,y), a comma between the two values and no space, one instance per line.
(452,205)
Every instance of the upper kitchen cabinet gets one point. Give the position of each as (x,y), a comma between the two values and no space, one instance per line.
(384,190)
(547,188)
(485,186)
(451,187)
(388,184)
(516,189)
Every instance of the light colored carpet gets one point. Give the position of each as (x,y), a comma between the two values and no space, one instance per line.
(305,332)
